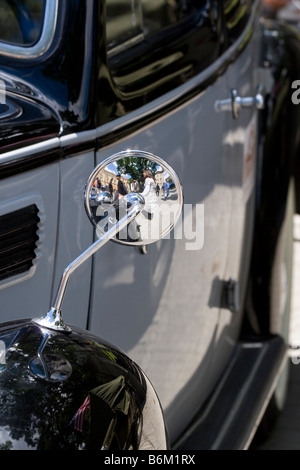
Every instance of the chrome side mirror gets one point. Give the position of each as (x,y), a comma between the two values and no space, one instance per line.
(134,178)
(141,206)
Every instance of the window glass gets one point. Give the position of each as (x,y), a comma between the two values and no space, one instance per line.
(130,21)
(236,13)
(21,21)
(159,14)
(123,22)
(154,46)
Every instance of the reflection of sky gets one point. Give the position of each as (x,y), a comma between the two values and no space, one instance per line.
(17,444)
(112,167)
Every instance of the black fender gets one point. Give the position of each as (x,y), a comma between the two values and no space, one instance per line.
(73,391)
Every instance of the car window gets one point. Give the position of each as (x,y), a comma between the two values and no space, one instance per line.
(130,21)
(236,15)
(21,21)
(154,46)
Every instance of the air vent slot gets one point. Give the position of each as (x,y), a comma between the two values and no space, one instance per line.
(18,241)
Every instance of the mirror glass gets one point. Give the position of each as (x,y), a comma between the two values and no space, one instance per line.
(130,177)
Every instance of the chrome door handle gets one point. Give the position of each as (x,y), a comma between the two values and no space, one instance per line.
(236,103)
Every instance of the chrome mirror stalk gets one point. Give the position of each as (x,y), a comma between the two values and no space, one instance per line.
(53,320)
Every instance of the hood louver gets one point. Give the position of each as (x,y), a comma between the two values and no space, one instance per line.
(18,239)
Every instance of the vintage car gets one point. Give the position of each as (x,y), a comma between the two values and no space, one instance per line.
(160,325)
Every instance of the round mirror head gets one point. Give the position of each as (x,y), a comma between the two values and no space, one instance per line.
(134,179)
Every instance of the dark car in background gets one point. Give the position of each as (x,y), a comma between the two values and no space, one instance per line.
(205,85)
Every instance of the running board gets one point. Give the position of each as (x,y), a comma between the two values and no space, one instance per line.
(231,417)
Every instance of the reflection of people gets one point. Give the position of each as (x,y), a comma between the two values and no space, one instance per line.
(122,191)
(149,193)
(110,186)
(134,186)
(131,232)
(166,189)
(157,190)
(97,183)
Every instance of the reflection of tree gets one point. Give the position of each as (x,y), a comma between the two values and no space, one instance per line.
(8,445)
(134,167)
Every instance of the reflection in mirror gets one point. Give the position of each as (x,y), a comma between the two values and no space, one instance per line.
(130,177)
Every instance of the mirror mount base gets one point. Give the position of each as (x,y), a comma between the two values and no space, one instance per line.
(53,321)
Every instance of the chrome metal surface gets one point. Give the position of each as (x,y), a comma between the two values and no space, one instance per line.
(236,103)
(53,320)
(138,174)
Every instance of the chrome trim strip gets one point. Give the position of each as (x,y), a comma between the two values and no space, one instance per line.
(50,144)
(78,138)
(30,150)
(151,108)
(41,46)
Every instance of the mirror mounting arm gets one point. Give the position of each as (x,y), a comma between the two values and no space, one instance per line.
(53,320)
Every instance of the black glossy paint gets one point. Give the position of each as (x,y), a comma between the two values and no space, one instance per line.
(30,122)
(54,93)
(45,412)
(73,87)
(278,162)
